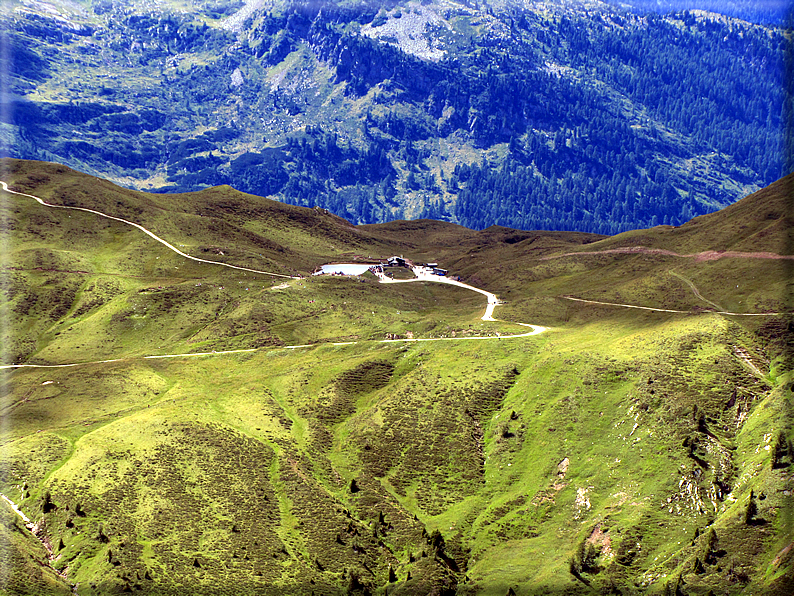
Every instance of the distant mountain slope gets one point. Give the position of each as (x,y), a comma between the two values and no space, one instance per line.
(532,115)
(754,11)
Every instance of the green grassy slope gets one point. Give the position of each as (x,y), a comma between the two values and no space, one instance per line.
(259,232)
(25,568)
(660,267)
(623,451)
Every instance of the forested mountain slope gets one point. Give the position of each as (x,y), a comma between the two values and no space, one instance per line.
(533,115)
(754,11)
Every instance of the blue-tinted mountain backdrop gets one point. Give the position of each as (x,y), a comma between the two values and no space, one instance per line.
(586,116)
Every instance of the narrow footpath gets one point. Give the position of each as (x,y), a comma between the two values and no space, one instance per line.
(682,312)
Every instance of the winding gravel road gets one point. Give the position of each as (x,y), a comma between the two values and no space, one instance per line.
(493,301)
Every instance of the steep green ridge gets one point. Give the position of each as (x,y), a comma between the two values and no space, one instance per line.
(623,451)
(534,115)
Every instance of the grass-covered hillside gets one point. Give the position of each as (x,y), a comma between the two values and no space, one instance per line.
(621,451)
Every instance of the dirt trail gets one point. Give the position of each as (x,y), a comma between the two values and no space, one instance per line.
(695,291)
(683,312)
(131,358)
(536,330)
(708,255)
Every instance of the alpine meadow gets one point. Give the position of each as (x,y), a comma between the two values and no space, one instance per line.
(396,298)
